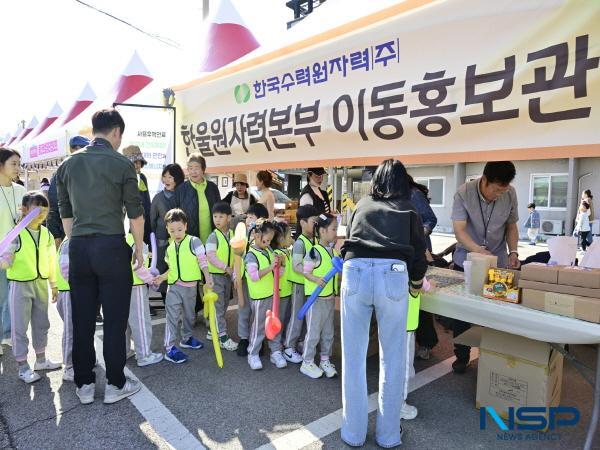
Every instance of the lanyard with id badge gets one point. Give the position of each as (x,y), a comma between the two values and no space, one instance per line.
(486,225)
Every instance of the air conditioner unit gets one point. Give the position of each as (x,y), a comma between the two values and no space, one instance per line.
(553,226)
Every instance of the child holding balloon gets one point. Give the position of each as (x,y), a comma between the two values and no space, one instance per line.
(139,325)
(319,318)
(30,261)
(305,216)
(281,244)
(260,262)
(187,263)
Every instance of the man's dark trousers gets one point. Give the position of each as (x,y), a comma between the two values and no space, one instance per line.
(99,273)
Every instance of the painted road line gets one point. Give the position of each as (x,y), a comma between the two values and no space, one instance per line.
(163,422)
(330,423)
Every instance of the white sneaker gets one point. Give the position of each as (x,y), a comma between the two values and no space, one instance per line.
(28,376)
(68,374)
(329,368)
(7,341)
(408,412)
(152,358)
(292,356)
(209,336)
(86,393)
(254,362)
(311,370)
(47,365)
(130,354)
(229,345)
(424,353)
(112,394)
(278,359)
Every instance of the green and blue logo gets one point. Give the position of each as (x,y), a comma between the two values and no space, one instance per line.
(242,93)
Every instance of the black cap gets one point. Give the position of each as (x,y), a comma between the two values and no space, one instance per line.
(316,170)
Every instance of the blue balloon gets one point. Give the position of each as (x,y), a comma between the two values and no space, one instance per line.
(338,264)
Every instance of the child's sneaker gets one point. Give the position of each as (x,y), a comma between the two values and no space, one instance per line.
(68,374)
(152,358)
(28,376)
(329,369)
(230,345)
(7,341)
(46,365)
(311,370)
(209,336)
(193,343)
(176,356)
(292,356)
(408,412)
(242,349)
(255,362)
(278,359)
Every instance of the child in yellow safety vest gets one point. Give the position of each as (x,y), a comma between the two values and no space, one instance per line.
(30,261)
(319,318)
(220,264)
(305,223)
(187,263)
(139,325)
(260,262)
(281,246)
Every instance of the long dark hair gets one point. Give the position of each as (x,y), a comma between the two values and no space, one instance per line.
(6,154)
(390,181)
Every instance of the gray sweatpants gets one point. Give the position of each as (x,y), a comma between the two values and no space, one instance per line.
(294,326)
(257,333)
(139,325)
(223,290)
(285,305)
(244,314)
(180,299)
(28,303)
(319,328)
(64,310)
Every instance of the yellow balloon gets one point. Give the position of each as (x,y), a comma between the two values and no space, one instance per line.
(210,297)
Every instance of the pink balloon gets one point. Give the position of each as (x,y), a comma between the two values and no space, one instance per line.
(154,252)
(12,234)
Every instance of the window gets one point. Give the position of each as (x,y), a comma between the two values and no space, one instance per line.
(436,189)
(549,191)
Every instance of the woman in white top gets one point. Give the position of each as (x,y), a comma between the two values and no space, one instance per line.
(10,213)
(263,183)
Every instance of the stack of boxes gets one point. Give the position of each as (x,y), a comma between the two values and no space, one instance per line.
(566,291)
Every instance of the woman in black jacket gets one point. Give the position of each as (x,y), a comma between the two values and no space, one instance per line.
(196,197)
(385,261)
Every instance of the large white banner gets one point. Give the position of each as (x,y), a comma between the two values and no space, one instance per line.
(151,129)
(426,81)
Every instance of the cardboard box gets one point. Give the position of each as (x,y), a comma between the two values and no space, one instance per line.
(583,308)
(498,290)
(579,276)
(560,289)
(540,272)
(516,371)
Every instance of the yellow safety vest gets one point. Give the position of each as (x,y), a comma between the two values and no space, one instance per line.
(296,277)
(412,319)
(61,283)
(137,281)
(285,285)
(320,271)
(224,252)
(183,264)
(32,260)
(262,288)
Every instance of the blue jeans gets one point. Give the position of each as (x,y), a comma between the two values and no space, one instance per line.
(368,285)
(4,307)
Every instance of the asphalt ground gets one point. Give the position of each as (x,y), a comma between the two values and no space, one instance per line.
(234,407)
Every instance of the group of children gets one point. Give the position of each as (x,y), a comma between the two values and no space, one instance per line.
(38,272)
(301,270)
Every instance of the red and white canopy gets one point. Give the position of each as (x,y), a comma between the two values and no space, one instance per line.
(227,38)
(54,114)
(134,78)
(28,129)
(85,99)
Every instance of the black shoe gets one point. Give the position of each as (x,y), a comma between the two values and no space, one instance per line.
(99,320)
(459,366)
(243,347)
